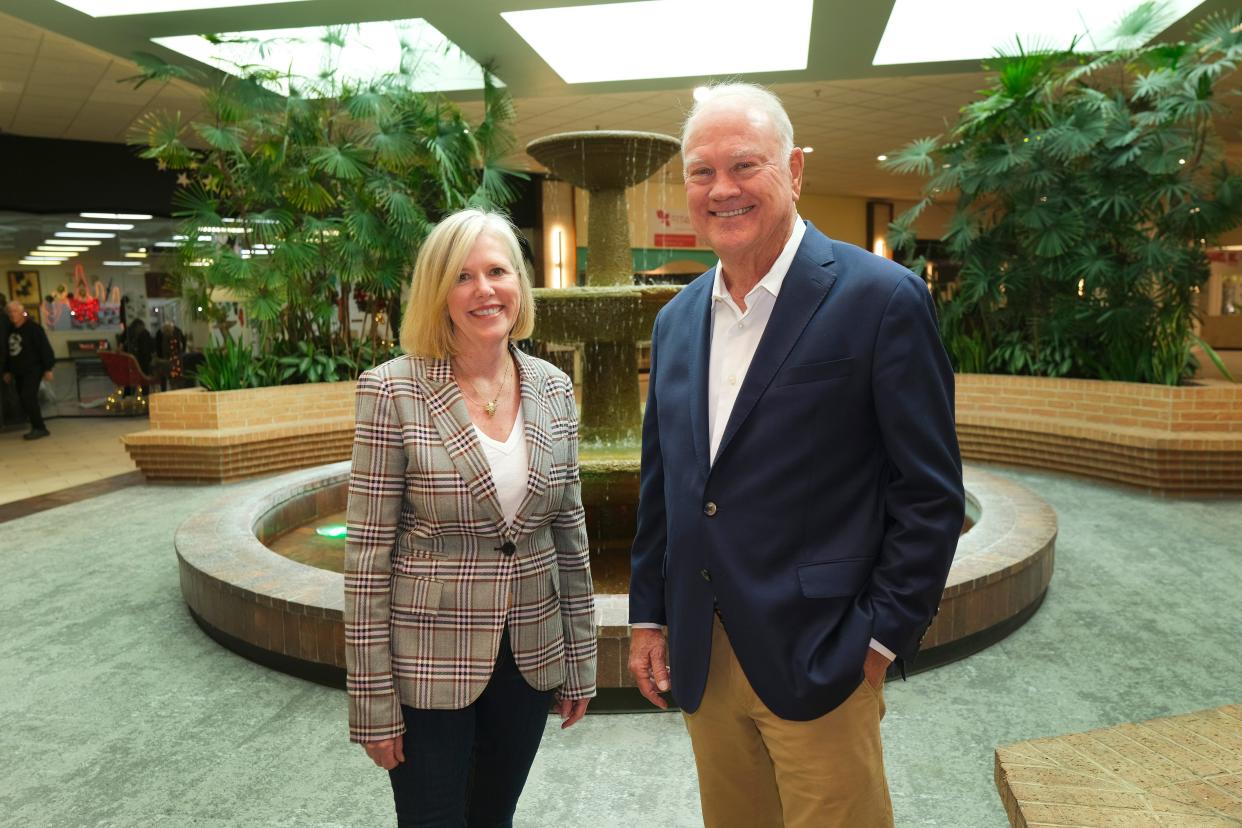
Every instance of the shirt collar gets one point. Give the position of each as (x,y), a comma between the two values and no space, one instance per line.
(775,277)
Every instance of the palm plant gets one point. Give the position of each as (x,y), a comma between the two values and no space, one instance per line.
(1087,188)
(290,202)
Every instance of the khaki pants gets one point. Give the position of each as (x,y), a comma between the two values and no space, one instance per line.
(757,770)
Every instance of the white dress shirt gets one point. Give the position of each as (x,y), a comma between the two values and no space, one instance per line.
(735,338)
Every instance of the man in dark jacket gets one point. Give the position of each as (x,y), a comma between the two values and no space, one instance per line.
(28,359)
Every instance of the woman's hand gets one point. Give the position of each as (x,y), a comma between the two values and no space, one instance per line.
(570,710)
(387,753)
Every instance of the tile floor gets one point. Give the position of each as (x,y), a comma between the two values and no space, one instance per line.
(80,450)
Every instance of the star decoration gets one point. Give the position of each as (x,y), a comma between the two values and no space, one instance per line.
(210,182)
(183,180)
(160,165)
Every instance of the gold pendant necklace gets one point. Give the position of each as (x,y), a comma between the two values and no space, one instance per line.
(489,408)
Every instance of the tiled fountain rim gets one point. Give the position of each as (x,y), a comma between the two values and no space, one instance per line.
(1012,527)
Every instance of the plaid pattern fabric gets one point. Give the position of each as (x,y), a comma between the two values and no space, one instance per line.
(427,589)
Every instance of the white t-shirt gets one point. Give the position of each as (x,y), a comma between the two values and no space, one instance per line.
(509,466)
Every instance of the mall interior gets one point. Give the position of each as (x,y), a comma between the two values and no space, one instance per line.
(173,647)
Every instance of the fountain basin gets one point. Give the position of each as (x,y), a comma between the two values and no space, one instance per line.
(604,159)
(288,614)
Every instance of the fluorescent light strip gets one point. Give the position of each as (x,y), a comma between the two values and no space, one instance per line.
(117,8)
(923,32)
(118,216)
(73,242)
(586,44)
(90,225)
(46,262)
(373,48)
(62,251)
(122,264)
(64,235)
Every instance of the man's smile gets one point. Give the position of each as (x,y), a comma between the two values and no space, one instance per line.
(731,213)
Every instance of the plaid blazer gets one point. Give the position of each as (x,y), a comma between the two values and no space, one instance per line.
(428,589)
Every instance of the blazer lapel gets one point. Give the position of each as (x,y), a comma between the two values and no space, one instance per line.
(452,421)
(700,331)
(538,437)
(809,279)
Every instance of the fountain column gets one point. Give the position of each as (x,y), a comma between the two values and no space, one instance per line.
(610,315)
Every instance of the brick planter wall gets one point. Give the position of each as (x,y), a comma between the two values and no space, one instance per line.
(1167,440)
(219,436)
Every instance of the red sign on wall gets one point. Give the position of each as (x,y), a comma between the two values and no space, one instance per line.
(674,240)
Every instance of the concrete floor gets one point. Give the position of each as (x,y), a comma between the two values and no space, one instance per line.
(118,711)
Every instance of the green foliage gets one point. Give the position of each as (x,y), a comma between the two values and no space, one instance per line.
(309,196)
(229,366)
(1087,187)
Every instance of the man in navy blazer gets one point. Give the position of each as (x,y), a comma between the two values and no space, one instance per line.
(801,489)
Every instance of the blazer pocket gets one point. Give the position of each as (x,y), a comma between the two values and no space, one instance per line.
(417,547)
(815,372)
(415,596)
(843,578)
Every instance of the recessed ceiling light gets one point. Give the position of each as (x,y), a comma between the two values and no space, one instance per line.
(63,234)
(700,92)
(808,150)
(118,216)
(881,158)
(922,32)
(116,8)
(372,49)
(73,242)
(774,41)
(91,225)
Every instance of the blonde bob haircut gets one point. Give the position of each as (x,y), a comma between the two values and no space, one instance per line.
(427,331)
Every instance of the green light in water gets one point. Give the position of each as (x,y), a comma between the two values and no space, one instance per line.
(334,530)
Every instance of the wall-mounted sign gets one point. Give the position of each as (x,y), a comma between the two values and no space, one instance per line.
(672,228)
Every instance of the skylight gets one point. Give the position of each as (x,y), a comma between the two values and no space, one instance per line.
(116,8)
(371,49)
(923,32)
(632,41)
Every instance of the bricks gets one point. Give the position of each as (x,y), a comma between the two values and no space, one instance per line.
(217,437)
(1169,440)
(1180,770)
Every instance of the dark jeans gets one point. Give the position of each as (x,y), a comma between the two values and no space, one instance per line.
(468,766)
(28,395)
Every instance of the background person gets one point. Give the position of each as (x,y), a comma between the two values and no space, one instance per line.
(28,361)
(801,492)
(468,597)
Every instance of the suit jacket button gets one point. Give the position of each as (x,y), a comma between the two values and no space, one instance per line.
(508,548)
(707,576)
(709,509)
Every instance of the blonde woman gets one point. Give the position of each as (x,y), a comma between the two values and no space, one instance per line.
(468,602)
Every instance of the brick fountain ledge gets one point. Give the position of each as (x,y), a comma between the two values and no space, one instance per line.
(289,615)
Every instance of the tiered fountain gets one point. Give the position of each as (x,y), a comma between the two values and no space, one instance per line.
(610,315)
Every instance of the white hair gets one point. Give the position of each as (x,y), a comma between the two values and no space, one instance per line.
(743,96)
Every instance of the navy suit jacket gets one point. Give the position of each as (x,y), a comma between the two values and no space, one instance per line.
(833,508)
